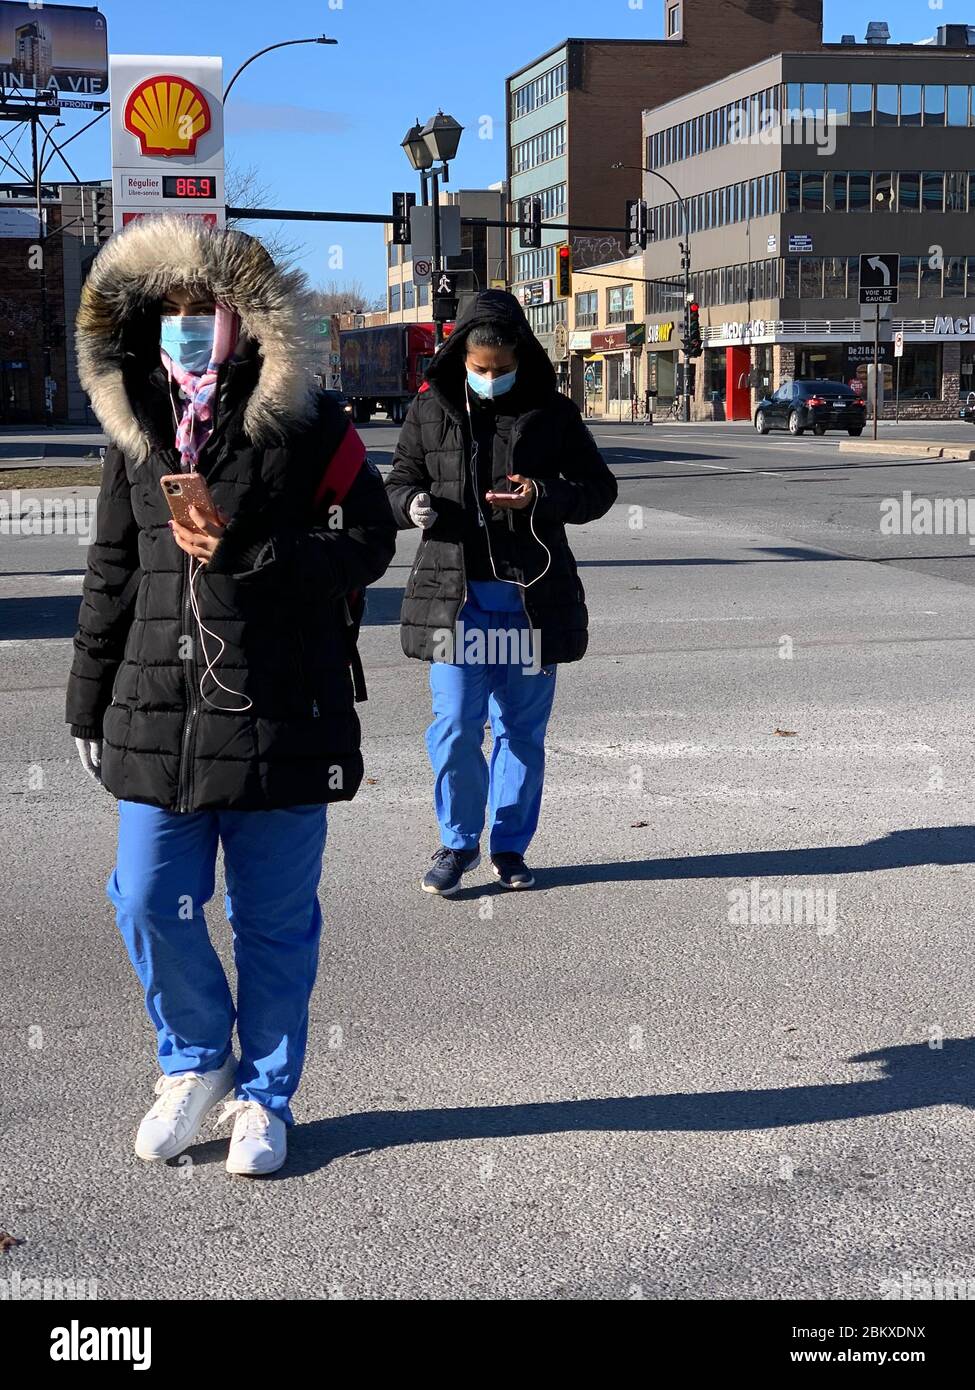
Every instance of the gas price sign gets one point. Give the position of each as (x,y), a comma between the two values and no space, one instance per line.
(189,186)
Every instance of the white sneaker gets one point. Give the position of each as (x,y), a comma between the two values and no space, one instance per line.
(259,1143)
(174,1121)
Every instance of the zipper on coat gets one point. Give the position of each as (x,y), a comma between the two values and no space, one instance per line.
(185,784)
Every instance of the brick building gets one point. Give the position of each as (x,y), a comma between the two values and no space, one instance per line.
(576,111)
(40,285)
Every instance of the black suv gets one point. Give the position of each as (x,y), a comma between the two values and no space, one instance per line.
(812,405)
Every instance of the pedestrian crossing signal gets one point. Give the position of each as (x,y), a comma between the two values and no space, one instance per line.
(563,262)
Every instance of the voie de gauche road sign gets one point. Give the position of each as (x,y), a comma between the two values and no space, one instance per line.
(880,278)
(167,137)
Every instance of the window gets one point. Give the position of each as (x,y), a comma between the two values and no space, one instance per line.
(587,309)
(930,279)
(840,198)
(956,193)
(958,106)
(621,304)
(934,105)
(954,287)
(394,298)
(835,278)
(861,103)
(793,190)
(909,275)
(859,191)
(553,200)
(791,290)
(392,254)
(793,97)
(910,104)
(853,277)
(887,104)
(550,144)
(813,97)
(673,21)
(811,277)
(909,192)
(933,192)
(812,191)
(883,193)
(423,295)
(838,102)
(540,91)
(409,295)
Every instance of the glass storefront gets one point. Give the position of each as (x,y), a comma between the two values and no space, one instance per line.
(920,373)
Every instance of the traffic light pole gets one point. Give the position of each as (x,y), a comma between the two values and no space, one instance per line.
(685,411)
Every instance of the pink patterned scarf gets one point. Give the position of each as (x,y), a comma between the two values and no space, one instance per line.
(197,389)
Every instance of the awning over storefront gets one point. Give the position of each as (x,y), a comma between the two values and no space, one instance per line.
(594,357)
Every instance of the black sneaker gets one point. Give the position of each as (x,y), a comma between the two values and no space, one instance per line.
(449,866)
(512,870)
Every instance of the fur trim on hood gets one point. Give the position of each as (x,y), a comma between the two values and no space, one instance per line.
(119,320)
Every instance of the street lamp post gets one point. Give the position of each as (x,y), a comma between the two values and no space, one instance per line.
(425,146)
(685,253)
(285,43)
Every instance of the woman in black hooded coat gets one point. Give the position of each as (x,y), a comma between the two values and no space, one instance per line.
(493,463)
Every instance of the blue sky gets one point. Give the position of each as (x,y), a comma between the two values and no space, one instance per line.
(322,126)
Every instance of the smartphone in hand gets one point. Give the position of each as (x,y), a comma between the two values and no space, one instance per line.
(185,490)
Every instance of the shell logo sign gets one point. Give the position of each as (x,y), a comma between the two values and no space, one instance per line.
(167,115)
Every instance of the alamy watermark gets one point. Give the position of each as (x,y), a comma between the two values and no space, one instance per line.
(908,515)
(14,1288)
(492,646)
(23,514)
(793,126)
(756,906)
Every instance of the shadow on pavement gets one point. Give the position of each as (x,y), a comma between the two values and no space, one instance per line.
(49,617)
(915,1076)
(901,849)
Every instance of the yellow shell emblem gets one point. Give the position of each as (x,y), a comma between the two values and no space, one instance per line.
(167,115)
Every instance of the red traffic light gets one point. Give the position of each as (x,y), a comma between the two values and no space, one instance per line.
(695,308)
(564,253)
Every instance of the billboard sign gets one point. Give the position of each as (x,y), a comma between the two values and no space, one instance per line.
(167,137)
(61,49)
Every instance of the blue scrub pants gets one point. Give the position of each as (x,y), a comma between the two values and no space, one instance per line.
(519,704)
(163,880)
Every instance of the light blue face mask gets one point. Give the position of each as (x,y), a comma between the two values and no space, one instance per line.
(188,340)
(487,389)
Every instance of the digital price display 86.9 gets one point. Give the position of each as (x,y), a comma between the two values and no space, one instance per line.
(189,186)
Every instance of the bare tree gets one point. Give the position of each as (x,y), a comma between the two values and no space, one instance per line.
(244,189)
(349,297)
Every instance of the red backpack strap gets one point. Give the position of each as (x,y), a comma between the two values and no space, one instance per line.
(342,471)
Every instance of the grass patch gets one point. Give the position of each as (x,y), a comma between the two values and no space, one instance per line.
(37,479)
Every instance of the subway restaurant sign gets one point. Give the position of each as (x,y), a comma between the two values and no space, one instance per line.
(660,332)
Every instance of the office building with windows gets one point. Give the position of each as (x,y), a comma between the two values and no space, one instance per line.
(575,112)
(788,172)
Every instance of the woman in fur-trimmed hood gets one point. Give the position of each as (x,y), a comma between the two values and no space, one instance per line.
(212,685)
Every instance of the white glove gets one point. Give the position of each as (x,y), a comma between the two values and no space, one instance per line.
(422,513)
(90,753)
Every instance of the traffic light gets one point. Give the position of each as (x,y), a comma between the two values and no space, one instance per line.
(530,215)
(637,219)
(695,343)
(403,204)
(563,263)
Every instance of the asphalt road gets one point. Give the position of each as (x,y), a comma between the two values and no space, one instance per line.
(641,1080)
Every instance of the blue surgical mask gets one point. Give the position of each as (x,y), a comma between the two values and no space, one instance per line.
(487,389)
(188,340)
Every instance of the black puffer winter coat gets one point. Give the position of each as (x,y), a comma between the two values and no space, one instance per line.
(275,588)
(548,442)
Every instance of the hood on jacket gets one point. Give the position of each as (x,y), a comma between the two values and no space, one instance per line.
(499,310)
(117,328)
